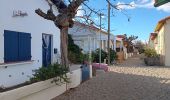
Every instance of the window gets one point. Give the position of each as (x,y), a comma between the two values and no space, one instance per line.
(17,46)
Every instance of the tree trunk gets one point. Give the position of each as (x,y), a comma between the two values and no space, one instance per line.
(64,46)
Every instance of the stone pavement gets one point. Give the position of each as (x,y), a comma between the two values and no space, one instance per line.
(131,80)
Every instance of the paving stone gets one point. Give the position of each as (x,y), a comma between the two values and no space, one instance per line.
(131,80)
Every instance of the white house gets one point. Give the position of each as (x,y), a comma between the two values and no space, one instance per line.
(27,41)
(87,37)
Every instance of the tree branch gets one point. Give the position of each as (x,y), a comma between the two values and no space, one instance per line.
(48,16)
(91,9)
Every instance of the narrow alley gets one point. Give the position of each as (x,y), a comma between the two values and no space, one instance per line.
(131,80)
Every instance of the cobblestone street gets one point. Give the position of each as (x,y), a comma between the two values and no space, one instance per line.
(131,80)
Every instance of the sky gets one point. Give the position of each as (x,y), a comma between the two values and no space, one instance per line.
(143,16)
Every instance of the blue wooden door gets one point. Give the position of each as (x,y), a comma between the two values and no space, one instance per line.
(46,49)
(85,73)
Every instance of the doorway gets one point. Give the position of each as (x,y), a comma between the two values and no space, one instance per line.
(46,49)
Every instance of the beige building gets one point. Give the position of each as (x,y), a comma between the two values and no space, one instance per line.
(160,39)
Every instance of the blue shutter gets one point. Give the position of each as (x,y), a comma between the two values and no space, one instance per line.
(24,46)
(10,46)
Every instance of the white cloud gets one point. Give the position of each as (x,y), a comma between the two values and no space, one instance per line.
(122,5)
(98,18)
(142,1)
(80,12)
(148,4)
(165,8)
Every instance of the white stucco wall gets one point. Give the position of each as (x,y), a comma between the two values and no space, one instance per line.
(44,90)
(86,42)
(85,35)
(167,41)
(159,46)
(89,38)
(1,46)
(30,24)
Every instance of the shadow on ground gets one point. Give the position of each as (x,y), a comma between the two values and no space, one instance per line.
(120,86)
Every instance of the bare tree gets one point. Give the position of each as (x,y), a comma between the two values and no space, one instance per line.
(140,46)
(129,42)
(64,21)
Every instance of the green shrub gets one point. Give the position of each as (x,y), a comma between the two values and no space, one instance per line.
(87,57)
(104,55)
(141,51)
(56,71)
(113,55)
(75,58)
(95,55)
(75,54)
(150,52)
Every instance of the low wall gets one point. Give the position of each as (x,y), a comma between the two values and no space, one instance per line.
(44,90)
(75,78)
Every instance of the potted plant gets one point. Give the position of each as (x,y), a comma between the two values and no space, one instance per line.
(152,58)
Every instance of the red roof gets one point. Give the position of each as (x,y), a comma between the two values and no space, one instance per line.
(161,23)
(120,36)
(153,36)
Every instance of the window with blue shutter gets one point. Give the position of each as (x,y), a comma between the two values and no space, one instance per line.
(17,46)
(10,46)
(24,46)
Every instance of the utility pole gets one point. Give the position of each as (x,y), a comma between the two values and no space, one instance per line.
(89,41)
(108,44)
(100,40)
